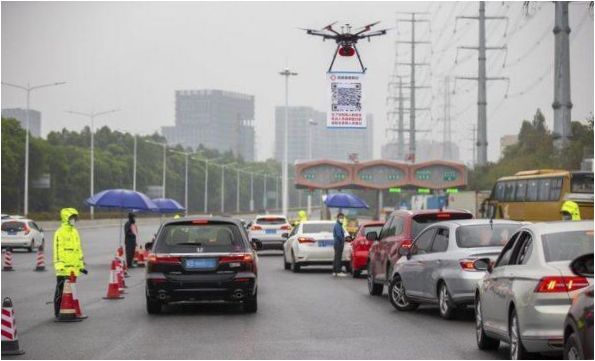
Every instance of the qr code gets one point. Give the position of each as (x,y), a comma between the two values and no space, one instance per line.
(346,97)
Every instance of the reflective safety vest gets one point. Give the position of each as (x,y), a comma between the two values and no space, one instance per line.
(68,253)
(572,208)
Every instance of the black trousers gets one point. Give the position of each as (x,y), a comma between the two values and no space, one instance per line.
(337,263)
(130,247)
(58,294)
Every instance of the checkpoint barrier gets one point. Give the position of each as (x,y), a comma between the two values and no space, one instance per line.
(40,260)
(7,260)
(10,340)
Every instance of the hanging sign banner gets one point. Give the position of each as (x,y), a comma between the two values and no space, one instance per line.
(345,90)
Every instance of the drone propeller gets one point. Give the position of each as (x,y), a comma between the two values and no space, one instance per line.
(329,27)
(365,28)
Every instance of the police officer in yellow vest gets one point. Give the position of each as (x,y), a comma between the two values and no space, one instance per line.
(570,211)
(68,253)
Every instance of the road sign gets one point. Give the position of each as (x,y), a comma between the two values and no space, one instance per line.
(394,190)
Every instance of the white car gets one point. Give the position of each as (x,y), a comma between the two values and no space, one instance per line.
(269,230)
(21,233)
(311,244)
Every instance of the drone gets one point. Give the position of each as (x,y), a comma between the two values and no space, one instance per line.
(346,40)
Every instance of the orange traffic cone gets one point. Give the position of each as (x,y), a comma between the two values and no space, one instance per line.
(10,341)
(113,289)
(75,298)
(120,276)
(140,261)
(40,260)
(7,260)
(67,306)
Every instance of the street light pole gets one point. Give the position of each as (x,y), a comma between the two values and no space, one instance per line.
(28,89)
(264,198)
(91,117)
(134,165)
(285,184)
(186,155)
(164,145)
(311,124)
(222,189)
(251,192)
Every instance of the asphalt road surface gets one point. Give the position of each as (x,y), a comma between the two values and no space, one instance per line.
(309,315)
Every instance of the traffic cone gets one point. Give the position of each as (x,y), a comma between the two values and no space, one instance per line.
(10,340)
(113,289)
(140,261)
(120,276)
(67,306)
(75,298)
(7,260)
(40,260)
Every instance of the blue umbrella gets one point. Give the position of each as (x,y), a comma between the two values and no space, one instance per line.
(168,205)
(122,199)
(344,200)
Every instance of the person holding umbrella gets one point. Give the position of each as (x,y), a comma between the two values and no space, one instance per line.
(130,238)
(339,237)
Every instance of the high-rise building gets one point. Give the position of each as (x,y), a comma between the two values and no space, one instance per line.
(337,144)
(21,115)
(217,119)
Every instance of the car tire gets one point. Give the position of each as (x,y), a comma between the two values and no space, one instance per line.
(153,306)
(397,296)
(374,288)
(251,304)
(517,350)
(286,265)
(484,342)
(573,350)
(446,305)
(295,267)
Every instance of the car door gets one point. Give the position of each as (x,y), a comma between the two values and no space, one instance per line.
(434,261)
(379,256)
(413,270)
(494,286)
(288,244)
(37,235)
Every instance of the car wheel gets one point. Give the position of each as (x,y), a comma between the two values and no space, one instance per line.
(397,296)
(373,288)
(445,303)
(251,304)
(484,342)
(573,349)
(295,267)
(517,350)
(286,265)
(153,306)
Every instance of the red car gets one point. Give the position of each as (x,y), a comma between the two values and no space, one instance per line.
(360,246)
(401,227)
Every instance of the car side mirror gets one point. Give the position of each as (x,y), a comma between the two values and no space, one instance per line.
(149,245)
(404,251)
(583,265)
(372,236)
(256,245)
(483,264)
(285,235)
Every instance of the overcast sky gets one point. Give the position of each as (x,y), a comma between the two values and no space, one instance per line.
(134,55)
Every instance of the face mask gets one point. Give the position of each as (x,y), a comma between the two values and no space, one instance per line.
(566,216)
(340,219)
(72,221)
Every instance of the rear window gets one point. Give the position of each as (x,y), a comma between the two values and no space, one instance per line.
(566,246)
(13,226)
(212,237)
(421,221)
(318,227)
(271,221)
(582,183)
(484,235)
(368,229)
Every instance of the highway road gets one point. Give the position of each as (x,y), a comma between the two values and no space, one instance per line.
(301,316)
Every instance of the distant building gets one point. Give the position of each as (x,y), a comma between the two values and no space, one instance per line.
(507,140)
(21,115)
(217,119)
(390,151)
(336,144)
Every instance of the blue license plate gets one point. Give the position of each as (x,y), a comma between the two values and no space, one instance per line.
(326,243)
(12,233)
(270,231)
(200,263)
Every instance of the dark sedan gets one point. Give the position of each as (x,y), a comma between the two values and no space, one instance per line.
(578,326)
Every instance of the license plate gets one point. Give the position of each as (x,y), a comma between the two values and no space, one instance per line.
(12,233)
(326,243)
(270,231)
(200,263)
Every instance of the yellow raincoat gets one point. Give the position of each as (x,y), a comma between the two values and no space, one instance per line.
(68,253)
(572,208)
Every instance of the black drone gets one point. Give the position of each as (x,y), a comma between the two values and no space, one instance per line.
(346,40)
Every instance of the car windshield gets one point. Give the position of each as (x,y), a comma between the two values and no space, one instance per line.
(317,227)
(211,237)
(566,246)
(270,221)
(485,235)
(421,221)
(368,229)
(582,183)
(13,226)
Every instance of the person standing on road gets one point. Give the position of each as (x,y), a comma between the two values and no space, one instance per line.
(68,253)
(339,238)
(570,211)
(130,238)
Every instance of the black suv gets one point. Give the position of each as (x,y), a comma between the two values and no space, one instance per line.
(201,259)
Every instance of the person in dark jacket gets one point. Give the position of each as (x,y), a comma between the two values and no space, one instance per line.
(130,238)
(339,237)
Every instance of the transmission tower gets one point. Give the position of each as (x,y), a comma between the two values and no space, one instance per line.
(482,136)
(562,104)
(447,131)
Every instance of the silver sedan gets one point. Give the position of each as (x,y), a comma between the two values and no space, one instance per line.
(439,267)
(526,294)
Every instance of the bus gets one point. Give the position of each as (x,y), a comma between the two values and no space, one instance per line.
(537,195)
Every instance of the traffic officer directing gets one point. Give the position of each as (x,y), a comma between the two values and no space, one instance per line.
(570,211)
(68,253)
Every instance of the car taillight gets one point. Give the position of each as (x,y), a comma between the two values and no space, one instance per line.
(406,243)
(468,264)
(443,215)
(306,240)
(163,259)
(256,228)
(286,227)
(27,229)
(553,284)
